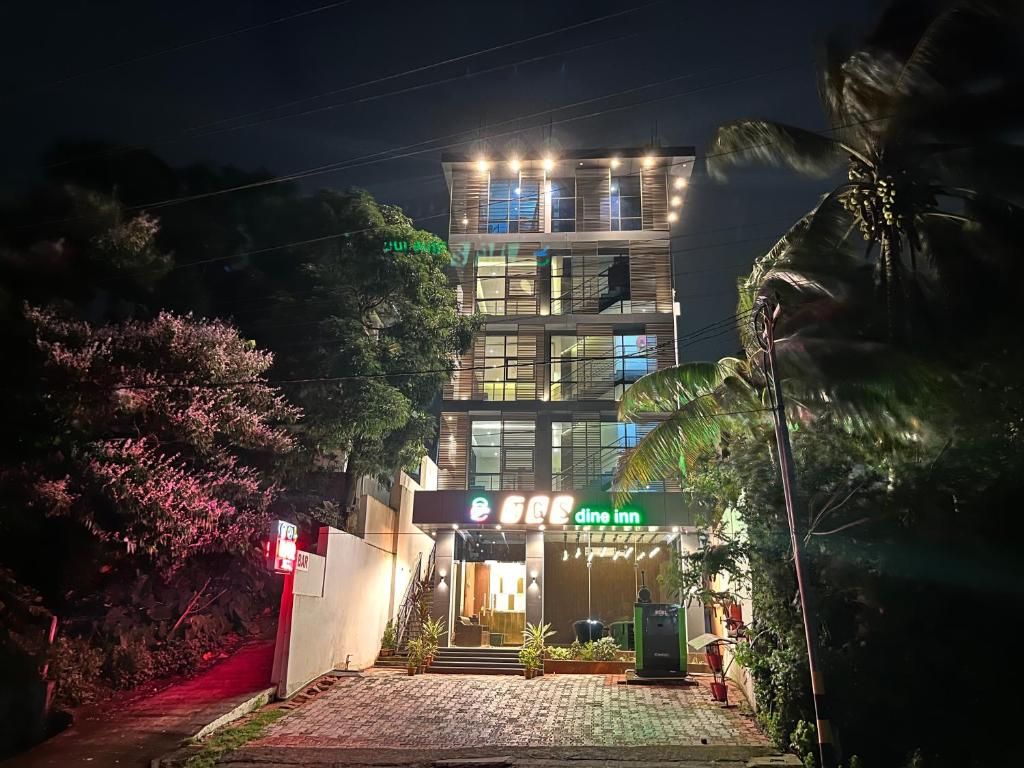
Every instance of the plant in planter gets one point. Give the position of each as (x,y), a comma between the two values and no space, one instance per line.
(530,658)
(531,655)
(388,641)
(417,655)
(432,632)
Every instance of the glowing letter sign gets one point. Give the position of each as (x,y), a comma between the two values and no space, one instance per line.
(480,511)
(282,547)
(543,508)
(512,510)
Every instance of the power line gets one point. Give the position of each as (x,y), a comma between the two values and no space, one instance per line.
(199,131)
(192,44)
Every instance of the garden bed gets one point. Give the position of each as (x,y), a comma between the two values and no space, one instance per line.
(569,667)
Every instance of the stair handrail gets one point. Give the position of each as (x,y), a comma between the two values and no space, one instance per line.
(409,602)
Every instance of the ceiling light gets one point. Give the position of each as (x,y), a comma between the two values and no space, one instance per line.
(679,183)
(648,161)
(548,163)
(542,526)
(518,190)
(672,216)
(497,527)
(515,165)
(676,201)
(615,162)
(481,165)
(675,529)
(455,526)
(465,220)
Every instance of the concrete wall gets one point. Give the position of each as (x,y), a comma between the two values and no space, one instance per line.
(332,616)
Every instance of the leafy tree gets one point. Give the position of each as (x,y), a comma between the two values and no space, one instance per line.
(919,119)
(371,332)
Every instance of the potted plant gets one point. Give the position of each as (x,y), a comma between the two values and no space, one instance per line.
(388,641)
(416,655)
(530,658)
(432,631)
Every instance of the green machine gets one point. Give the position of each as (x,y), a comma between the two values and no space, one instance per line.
(660,634)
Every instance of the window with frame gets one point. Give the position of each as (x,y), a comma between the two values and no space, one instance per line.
(503,206)
(599,367)
(503,369)
(590,284)
(634,356)
(586,454)
(506,282)
(625,203)
(501,455)
(563,204)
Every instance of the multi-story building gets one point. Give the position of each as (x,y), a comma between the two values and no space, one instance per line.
(569,261)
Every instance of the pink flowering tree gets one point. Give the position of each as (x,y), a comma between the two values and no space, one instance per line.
(162,431)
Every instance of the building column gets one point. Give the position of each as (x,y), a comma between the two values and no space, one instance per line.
(444,556)
(535,585)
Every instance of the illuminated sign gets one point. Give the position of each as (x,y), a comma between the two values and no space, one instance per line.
(282,548)
(460,252)
(551,509)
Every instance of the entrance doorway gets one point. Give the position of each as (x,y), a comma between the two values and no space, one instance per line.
(489,595)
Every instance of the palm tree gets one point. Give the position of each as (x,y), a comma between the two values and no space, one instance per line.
(918,121)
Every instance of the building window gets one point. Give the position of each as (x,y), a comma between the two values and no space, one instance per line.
(563,205)
(626,213)
(635,356)
(503,206)
(503,369)
(599,367)
(501,455)
(506,283)
(590,284)
(585,454)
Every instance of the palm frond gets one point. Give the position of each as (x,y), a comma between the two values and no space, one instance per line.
(666,390)
(775,144)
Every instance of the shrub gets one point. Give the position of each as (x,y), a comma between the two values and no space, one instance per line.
(605,649)
(130,664)
(76,667)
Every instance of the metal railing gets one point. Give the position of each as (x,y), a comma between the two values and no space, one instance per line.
(422,579)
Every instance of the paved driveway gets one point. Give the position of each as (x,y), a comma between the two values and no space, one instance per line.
(386,710)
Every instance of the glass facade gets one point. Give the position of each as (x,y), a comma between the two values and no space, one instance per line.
(599,367)
(501,455)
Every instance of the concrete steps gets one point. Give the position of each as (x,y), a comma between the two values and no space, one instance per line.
(476,661)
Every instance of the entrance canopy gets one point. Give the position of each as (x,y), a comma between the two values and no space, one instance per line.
(551,511)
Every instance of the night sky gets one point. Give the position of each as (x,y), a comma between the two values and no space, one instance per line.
(174,77)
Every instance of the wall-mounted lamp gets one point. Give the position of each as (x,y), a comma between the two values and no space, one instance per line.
(442,580)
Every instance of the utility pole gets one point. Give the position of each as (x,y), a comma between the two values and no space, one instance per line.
(764,329)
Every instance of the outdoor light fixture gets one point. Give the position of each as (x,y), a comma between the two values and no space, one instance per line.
(541,527)
(455,526)
(514,164)
(465,220)
(654,551)
(676,201)
(548,163)
(675,529)
(648,161)
(565,555)
(672,216)
(615,162)
(518,190)
(641,556)
(578,552)
(497,527)
(628,552)
(481,165)
(679,183)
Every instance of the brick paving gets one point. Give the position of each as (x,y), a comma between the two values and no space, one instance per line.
(387,710)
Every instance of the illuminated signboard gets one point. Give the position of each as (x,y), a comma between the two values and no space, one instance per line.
(550,509)
(282,548)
